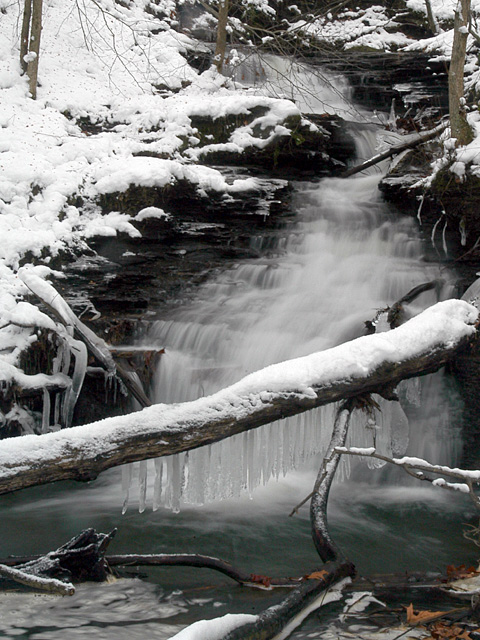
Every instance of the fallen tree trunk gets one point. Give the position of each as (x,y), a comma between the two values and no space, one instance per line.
(365,365)
(395,150)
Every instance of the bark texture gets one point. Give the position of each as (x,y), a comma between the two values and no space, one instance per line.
(34,47)
(221,44)
(460,129)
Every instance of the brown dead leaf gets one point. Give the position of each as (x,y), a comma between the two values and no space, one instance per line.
(441,630)
(461,572)
(317,575)
(422,617)
(259,579)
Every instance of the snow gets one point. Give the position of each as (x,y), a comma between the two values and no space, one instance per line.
(215,629)
(370,27)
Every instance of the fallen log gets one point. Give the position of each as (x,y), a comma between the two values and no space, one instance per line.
(411,143)
(366,365)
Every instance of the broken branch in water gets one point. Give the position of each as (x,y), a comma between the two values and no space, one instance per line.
(50,585)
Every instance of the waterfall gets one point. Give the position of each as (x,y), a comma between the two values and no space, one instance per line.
(345,257)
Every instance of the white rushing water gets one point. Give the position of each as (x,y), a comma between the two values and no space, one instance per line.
(346,257)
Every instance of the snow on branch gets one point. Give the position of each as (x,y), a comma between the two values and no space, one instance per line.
(50,585)
(418,468)
(365,365)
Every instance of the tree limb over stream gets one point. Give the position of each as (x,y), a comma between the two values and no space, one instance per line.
(409,143)
(370,364)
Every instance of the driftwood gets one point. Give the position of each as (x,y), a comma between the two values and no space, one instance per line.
(49,585)
(411,143)
(285,616)
(82,558)
(84,452)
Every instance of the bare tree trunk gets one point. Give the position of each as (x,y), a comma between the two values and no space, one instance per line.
(221,35)
(325,546)
(458,120)
(432,23)
(34,48)
(27,14)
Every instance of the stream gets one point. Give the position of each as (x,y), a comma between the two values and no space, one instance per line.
(318,280)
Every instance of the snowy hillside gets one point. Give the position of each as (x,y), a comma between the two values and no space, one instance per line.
(116,106)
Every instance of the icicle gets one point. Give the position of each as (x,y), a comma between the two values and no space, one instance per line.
(410,391)
(56,411)
(286,447)
(257,467)
(176,481)
(400,430)
(392,118)
(244,437)
(81,359)
(420,207)
(444,238)
(46,410)
(251,460)
(433,232)
(157,484)
(127,471)
(169,483)
(463,232)
(142,485)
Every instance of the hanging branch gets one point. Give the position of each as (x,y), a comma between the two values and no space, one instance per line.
(417,468)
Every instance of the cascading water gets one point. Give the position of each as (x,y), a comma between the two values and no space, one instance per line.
(345,258)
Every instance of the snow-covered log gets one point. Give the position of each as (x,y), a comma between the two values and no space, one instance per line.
(365,365)
(50,585)
(410,142)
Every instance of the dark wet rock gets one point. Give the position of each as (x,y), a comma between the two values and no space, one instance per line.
(413,80)
(127,276)
(307,152)
(447,209)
